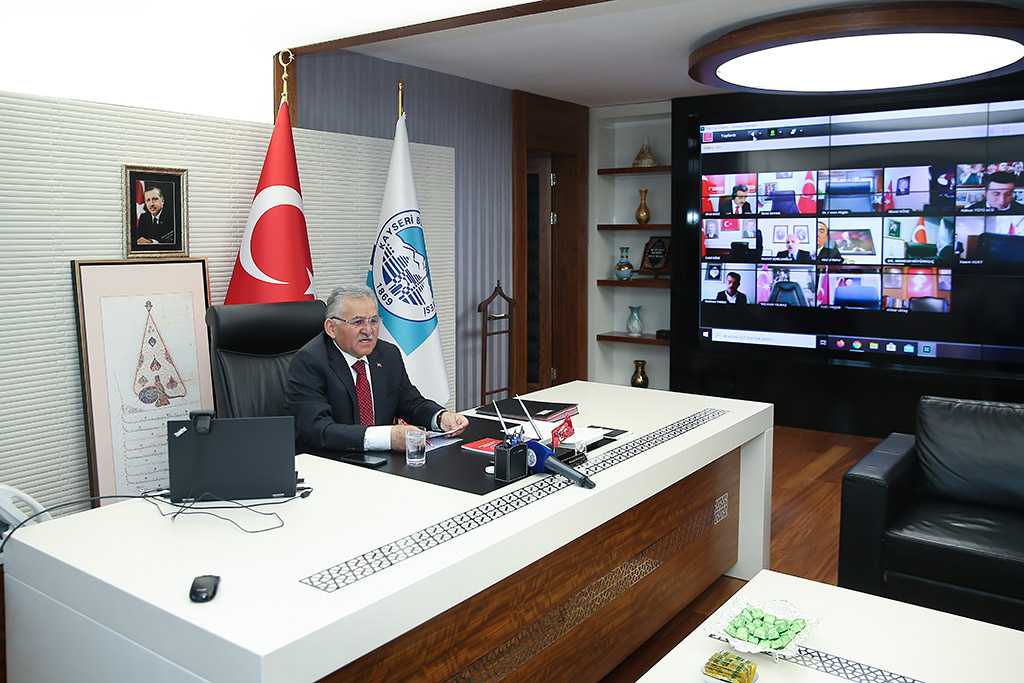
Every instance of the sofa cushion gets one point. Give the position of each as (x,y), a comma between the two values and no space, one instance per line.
(962,544)
(972,451)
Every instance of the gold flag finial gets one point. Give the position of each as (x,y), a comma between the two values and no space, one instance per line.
(284,58)
(401,97)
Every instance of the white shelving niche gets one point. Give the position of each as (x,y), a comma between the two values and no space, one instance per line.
(616,134)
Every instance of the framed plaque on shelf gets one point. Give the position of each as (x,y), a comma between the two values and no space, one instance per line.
(655,260)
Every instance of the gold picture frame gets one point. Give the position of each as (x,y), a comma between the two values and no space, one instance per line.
(155,210)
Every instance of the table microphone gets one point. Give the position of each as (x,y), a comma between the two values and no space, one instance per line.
(542,459)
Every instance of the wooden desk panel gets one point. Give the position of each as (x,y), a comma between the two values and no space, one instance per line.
(632,574)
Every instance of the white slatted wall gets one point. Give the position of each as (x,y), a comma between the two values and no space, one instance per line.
(60,199)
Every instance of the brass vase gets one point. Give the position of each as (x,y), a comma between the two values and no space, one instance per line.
(639,378)
(645,157)
(643,214)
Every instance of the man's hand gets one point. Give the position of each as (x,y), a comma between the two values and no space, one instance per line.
(143,240)
(398,433)
(453,422)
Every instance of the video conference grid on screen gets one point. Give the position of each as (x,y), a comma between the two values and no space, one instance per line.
(896,232)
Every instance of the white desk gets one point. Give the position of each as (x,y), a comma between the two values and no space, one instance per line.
(102,595)
(862,636)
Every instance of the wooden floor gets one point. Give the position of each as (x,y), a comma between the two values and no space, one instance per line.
(807,470)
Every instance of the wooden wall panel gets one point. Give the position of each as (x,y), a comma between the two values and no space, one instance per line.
(544,125)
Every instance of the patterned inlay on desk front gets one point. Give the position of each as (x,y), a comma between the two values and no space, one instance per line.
(390,554)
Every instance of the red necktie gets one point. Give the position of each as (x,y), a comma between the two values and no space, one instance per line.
(363,393)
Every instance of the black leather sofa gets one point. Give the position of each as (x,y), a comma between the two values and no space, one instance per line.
(937,519)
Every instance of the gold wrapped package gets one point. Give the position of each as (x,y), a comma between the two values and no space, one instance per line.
(726,666)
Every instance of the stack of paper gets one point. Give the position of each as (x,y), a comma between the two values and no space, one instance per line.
(584,435)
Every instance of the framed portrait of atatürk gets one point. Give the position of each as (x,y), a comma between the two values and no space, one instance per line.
(155,208)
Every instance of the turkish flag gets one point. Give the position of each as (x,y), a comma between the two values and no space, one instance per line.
(920,236)
(140,199)
(273,262)
(809,196)
(887,201)
(705,191)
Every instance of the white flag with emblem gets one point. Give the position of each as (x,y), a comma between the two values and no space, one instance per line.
(400,278)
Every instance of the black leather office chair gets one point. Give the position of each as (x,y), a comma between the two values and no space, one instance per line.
(853,195)
(251,346)
(784,201)
(915,250)
(787,293)
(857,296)
(928,304)
(740,251)
(994,248)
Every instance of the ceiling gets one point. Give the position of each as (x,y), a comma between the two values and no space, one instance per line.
(617,52)
(213,59)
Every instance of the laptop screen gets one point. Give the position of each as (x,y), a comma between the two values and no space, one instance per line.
(238,459)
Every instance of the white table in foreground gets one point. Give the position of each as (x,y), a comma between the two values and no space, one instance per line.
(862,638)
(337,590)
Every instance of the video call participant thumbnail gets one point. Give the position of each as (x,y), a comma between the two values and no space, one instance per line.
(732,294)
(793,252)
(827,248)
(736,202)
(999,189)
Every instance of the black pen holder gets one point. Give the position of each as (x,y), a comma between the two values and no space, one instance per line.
(510,462)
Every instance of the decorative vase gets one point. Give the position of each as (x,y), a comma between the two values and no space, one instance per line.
(623,269)
(634,325)
(642,213)
(639,378)
(645,157)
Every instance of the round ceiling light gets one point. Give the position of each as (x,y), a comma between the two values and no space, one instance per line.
(866,47)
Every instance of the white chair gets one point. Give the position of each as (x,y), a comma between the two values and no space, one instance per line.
(11,514)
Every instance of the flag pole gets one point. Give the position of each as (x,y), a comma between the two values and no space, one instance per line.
(401,97)
(281,57)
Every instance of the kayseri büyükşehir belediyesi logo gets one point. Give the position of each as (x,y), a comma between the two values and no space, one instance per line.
(401,278)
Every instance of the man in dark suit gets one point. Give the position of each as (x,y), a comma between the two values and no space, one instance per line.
(999,189)
(793,252)
(345,388)
(156,224)
(737,202)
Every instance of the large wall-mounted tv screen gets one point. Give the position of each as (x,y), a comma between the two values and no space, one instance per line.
(898,233)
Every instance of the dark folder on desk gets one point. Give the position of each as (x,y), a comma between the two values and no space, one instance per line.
(547,411)
(237,459)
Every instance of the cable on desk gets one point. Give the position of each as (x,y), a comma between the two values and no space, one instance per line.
(190,509)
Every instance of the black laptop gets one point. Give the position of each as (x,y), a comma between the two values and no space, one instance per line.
(231,458)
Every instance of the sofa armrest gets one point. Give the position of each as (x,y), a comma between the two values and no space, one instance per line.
(873,491)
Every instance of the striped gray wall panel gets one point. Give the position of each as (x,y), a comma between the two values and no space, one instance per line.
(345,92)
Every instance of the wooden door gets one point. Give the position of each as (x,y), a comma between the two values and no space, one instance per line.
(557,133)
(539,217)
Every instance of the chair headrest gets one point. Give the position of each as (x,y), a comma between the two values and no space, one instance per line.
(265,328)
